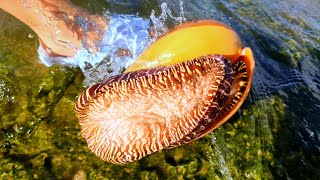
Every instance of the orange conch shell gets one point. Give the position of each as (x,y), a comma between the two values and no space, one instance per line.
(188,41)
(175,93)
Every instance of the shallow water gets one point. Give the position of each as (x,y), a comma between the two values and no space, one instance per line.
(274,135)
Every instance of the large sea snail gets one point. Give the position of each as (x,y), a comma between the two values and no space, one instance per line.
(186,84)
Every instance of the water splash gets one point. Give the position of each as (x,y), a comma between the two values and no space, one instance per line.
(223,166)
(128,35)
(123,41)
(159,22)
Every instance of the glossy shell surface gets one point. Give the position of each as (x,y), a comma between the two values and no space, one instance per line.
(189,41)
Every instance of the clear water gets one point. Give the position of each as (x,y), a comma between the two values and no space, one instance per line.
(274,135)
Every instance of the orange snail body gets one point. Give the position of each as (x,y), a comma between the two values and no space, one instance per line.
(176,92)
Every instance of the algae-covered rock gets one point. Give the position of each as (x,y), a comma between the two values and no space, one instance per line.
(29,92)
(247,143)
(27,103)
(42,135)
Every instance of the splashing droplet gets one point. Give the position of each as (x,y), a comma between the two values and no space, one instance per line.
(166,15)
(31,35)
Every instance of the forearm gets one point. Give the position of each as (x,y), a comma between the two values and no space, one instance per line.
(53,20)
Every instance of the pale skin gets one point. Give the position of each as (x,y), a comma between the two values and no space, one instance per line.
(55,22)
